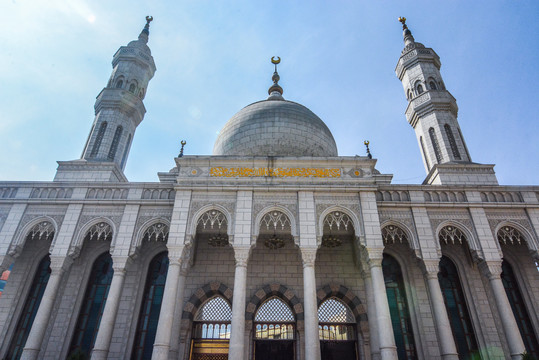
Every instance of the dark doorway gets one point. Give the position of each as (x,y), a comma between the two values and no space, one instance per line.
(274,350)
(338,350)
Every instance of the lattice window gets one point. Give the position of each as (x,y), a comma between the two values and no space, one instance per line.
(274,310)
(435,145)
(212,219)
(334,310)
(215,309)
(275,220)
(42,231)
(452,142)
(100,231)
(510,235)
(115,142)
(451,235)
(338,220)
(99,139)
(393,234)
(156,232)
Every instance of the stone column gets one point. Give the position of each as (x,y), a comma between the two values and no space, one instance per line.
(386,338)
(446,341)
(312,339)
(176,324)
(493,270)
(161,345)
(237,336)
(106,326)
(59,265)
(371,313)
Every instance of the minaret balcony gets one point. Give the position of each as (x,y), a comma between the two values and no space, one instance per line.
(123,100)
(428,102)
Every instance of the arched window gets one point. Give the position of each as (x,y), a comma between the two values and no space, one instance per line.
(29,310)
(452,142)
(519,310)
(98,139)
(424,153)
(457,311)
(432,85)
(119,84)
(92,307)
(150,308)
(435,145)
(115,142)
(398,308)
(126,151)
(132,88)
(419,89)
(336,330)
(274,329)
(211,329)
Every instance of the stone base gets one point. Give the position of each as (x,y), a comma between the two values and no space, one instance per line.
(87,171)
(461,174)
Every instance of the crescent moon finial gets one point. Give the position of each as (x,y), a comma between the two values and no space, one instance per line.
(275,61)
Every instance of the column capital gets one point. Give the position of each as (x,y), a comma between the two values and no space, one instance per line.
(120,263)
(60,264)
(491,269)
(175,254)
(372,256)
(430,268)
(241,254)
(308,255)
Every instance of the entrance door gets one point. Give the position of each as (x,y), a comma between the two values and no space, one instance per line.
(338,350)
(274,350)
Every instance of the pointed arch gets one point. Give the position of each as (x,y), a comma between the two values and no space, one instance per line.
(78,241)
(192,229)
(274,290)
(525,233)
(471,241)
(284,210)
(204,293)
(345,210)
(139,236)
(346,296)
(98,139)
(115,142)
(20,239)
(411,239)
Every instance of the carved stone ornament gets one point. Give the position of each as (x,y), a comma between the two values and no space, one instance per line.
(308,256)
(241,254)
(491,269)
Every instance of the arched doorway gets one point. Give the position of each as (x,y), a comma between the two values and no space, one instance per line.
(211,330)
(274,331)
(337,331)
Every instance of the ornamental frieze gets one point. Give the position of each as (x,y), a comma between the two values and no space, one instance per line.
(274,172)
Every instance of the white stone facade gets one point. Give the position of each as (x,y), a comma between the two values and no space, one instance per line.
(249,229)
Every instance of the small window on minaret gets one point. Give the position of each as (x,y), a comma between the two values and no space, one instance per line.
(419,89)
(141,93)
(119,84)
(132,88)
(432,85)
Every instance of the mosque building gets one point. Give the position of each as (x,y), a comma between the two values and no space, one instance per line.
(274,246)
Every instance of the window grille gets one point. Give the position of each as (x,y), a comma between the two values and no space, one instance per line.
(393,234)
(451,234)
(275,220)
(156,232)
(338,220)
(99,139)
(435,145)
(274,310)
(452,142)
(42,231)
(126,150)
(510,235)
(334,310)
(115,142)
(212,321)
(100,231)
(424,153)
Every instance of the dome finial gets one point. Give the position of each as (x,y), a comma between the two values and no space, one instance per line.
(407,34)
(146,31)
(275,91)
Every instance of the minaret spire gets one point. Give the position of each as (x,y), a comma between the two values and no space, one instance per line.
(119,109)
(406,33)
(275,91)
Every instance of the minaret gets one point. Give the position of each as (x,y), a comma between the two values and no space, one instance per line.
(119,109)
(432,112)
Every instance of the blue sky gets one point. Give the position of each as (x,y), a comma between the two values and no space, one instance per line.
(213,58)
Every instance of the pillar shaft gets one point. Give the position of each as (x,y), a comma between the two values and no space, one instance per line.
(237,335)
(388,349)
(106,326)
(176,324)
(448,349)
(371,313)
(312,339)
(41,321)
(493,271)
(166,315)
